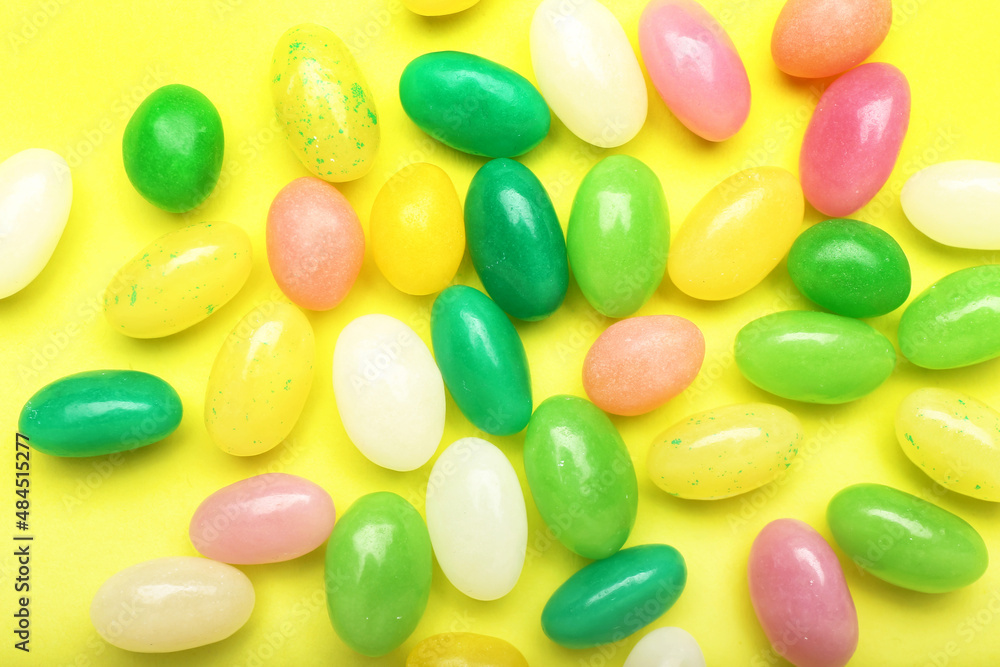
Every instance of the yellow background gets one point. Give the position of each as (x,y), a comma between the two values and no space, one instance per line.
(73,72)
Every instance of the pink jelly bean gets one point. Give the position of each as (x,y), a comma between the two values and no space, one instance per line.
(263,519)
(695,67)
(800,596)
(854,137)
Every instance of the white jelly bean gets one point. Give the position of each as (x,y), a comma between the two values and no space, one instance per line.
(956,203)
(666,647)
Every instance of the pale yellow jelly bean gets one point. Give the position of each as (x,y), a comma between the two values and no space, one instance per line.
(954,439)
(260,380)
(437,7)
(724,452)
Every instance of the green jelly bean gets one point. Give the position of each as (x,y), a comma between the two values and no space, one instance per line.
(618,235)
(515,240)
(955,322)
(100,412)
(905,540)
(610,599)
(172,148)
(378,573)
(850,267)
(581,476)
(814,357)
(482,360)
(473,104)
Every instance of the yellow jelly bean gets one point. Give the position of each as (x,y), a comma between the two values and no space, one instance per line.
(737,234)
(724,452)
(437,7)
(417,229)
(954,439)
(464,649)
(178,280)
(260,380)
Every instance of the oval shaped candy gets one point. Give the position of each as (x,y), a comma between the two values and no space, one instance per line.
(171,604)
(267,518)
(378,573)
(581,476)
(36,192)
(695,67)
(389,392)
(640,363)
(173,147)
(800,596)
(100,412)
(610,599)
(904,540)
(618,235)
(477,519)
(955,322)
(473,104)
(850,267)
(816,39)
(417,233)
(178,280)
(464,649)
(814,357)
(666,647)
(482,360)
(854,137)
(587,71)
(956,203)
(737,234)
(515,240)
(724,452)
(954,439)
(437,7)
(260,380)
(324,104)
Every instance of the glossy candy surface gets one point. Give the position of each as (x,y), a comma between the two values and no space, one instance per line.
(464,649)
(956,203)
(666,647)
(437,7)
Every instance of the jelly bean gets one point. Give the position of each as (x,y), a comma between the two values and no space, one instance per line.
(178,280)
(905,540)
(473,104)
(725,452)
(955,322)
(854,137)
(268,518)
(515,240)
(815,39)
(417,234)
(323,102)
(389,392)
(437,7)
(956,203)
(378,573)
(464,649)
(477,519)
(800,596)
(260,380)
(100,412)
(36,192)
(850,267)
(618,235)
(172,148)
(737,234)
(666,647)
(587,71)
(695,67)
(172,604)
(640,363)
(814,357)
(610,599)
(482,360)
(581,476)
(315,244)
(954,439)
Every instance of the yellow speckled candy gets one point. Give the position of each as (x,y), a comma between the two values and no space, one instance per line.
(724,452)
(178,280)
(322,100)
(417,230)
(260,380)
(954,439)
(437,7)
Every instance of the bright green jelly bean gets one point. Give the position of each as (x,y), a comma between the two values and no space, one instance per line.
(814,357)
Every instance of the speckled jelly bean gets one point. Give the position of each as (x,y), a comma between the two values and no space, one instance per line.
(464,649)
(956,203)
